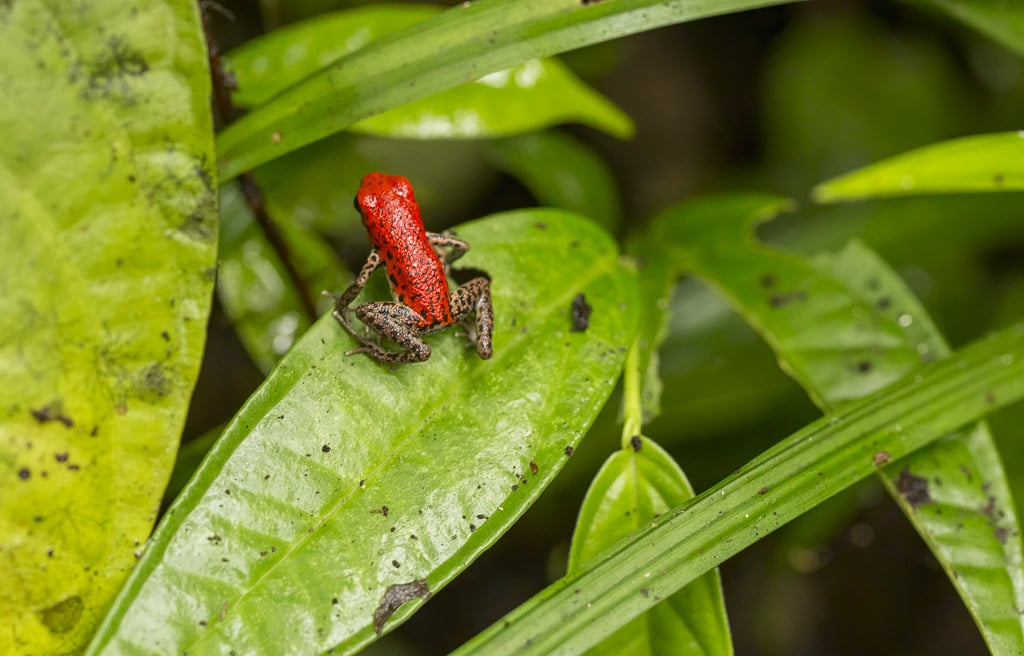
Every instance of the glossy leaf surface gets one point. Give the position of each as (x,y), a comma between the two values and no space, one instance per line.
(988,162)
(108,237)
(342,478)
(463,43)
(780,484)
(845,329)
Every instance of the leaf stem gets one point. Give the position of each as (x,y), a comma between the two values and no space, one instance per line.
(632,407)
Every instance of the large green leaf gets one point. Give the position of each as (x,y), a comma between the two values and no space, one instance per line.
(844,329)
(530,96)
(463,43)
(1001,20)
(108,234)
(341,478)
(790,478)
(988,162)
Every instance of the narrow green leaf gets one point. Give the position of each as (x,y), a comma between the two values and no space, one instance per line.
(341,478)
(635,486)
(267,65)
(1001,20)
(257,293)
(108,233)
(798,473)
(988,162)
(561,172)
(463,43)
(847,328)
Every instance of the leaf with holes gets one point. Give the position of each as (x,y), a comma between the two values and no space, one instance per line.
(344,488)
(108,233)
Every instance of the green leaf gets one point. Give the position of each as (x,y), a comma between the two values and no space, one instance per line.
(988,162)
(795,475)
(267,65)
(257,291)
(1000,20)
(847,328)
(108,233)
(530,96)
(341,478)
(465,42)
(635,486)
(561,172)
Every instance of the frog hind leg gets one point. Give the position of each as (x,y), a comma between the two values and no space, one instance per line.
(397,322)
(475,297)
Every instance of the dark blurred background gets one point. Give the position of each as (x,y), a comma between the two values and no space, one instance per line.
(772,100)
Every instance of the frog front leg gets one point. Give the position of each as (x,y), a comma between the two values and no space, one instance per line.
(447,247)
(475,297)
(344,300)
(397,322)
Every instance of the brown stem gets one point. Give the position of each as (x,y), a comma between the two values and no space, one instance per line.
(227,112)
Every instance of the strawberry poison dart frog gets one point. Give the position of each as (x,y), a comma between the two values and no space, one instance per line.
(417,264)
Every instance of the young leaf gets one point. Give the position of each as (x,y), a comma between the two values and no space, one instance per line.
(530,96)
(463,43)
(108,233)
(988,162)
(561,172)
(788,479)
(847,328)
(345,488)
(635,486)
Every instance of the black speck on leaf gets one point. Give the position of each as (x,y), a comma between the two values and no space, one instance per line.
(913,488)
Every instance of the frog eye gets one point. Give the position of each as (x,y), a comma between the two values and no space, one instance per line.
(355,203)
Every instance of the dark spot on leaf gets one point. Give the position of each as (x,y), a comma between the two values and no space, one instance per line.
(52,411)
(395,596)
(637,443)
(334,601)
(395,563)
(645,592)
(165,335)
(540,226)
(768,280)
(383,510)
(575,243)
(967,473)
(533,468)
(214,539)
(990,398)
(325,448)
(202,622)
(763,491)
(94,432)
(72,467)
(998,179)
(153,380)
(472,528)
(881,458)
(782,299)
(61,457)
(24,473)
(568,450)
(864,366)
(884,302)
(63,616)
(913,488)
(514,487)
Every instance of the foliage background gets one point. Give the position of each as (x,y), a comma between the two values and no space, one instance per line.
(777,100)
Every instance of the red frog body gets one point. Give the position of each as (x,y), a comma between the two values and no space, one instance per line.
(417,263)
